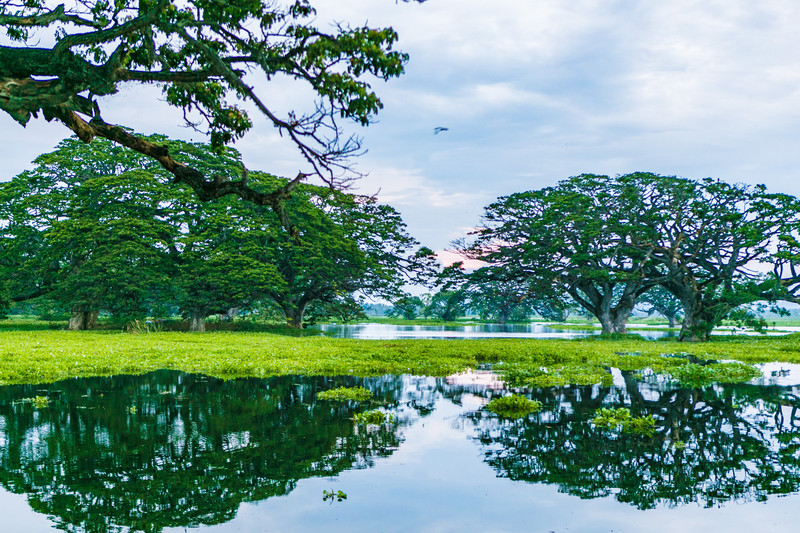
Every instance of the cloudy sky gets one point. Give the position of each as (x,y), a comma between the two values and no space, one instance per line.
(534,92)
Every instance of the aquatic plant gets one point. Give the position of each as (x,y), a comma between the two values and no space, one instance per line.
(331,495)
(622,419)
(39,402)
(343,394)
(694,375)
(375,416)
(513,406)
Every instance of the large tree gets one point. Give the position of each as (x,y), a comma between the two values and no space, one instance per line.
(94,230)
(200,53)
(608,241)
(714,242)
(347,245)
(584,237)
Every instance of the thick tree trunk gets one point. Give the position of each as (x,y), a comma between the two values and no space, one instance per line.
(197,321)
(614,320)
(294,314)
(698,322)
(83,320)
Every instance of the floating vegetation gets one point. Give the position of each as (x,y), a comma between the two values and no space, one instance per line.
(376,417)
(344,394)
(622,419)
(556,376)
(331,495)
(694,375)
(39,402)
(513,406)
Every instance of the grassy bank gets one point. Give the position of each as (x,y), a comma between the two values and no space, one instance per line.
(49,355)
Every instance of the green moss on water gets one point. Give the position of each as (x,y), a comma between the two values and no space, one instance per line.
(375,417)
(513,406)
(46,355)
(621,419)
(693,375)
(343,394)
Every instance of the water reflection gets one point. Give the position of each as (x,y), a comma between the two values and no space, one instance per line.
(169,449)
(174,450)
(477,331)
(712,445)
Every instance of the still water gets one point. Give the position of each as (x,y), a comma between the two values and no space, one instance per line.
(477,331)
(167,450)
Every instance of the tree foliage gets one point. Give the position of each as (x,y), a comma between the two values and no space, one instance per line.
(608,241)
(98,230)
(208,58)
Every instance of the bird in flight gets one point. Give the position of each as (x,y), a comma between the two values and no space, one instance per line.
(439,129)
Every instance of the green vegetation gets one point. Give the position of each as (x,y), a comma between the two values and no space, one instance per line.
(609,244)
(70,245)
(513,406)
(621,419)
(330,495)
(375,417)
(198,51)
(48,355)
(39,402)
(693,375)
(344,394)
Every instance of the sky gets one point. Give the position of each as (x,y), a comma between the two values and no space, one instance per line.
(532,93)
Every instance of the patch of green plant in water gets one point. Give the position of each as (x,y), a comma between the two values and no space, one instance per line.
(576,374)
(376,417)
(331,495)
(694,375)
(39,402)
(513,406)
(344,394)
(622,419)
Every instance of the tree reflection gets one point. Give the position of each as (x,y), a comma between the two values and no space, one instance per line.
(712,445)
(170,449)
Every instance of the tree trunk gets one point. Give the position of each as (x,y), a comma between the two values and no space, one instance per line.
(697,323)
(83,320)
(294,314)
(197,321)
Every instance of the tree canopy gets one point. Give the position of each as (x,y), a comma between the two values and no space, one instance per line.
(206,57)
(96,227)
(608,241)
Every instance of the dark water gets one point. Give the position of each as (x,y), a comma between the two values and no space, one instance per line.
(478,331)
(166,451)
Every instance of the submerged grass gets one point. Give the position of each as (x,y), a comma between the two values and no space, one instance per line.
(42,356)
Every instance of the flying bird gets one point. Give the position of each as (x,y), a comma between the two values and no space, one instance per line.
(439,129)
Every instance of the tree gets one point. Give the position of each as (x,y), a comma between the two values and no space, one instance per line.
(607,241)
(588,237)
(98,227)
(347,245)
(199,52)
(447,305)
(408,307)
(712,242)
(105,233)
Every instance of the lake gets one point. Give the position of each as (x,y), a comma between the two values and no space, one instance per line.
(168,451)
(476,331)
